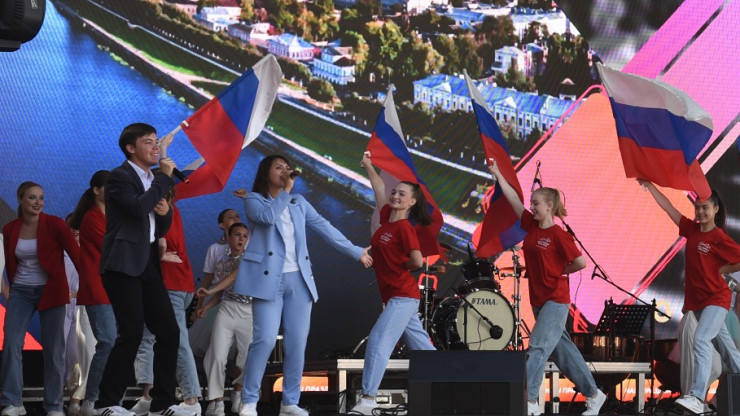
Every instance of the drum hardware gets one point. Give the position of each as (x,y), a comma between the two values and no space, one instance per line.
(428,287)
(516,273)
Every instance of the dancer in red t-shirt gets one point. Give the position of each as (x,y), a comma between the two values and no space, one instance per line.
(395,251)
(550,253)
(710,253)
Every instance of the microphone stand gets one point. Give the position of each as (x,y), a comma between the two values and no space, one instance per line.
(465,316)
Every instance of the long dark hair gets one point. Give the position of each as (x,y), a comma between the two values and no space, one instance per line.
(22,188)
(261,184)
(87,200)
(719,217)
(419,212)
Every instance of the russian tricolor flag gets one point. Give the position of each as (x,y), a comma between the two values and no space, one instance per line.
(661,131)
(391,156)
(501,228)
(228,123)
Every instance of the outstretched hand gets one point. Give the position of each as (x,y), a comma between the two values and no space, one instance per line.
(366,259)
(240,193)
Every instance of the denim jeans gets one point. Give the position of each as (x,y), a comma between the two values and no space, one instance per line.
(293,304)
(399,319)
(187,374)
(711,329)
(549,337)
(103,327)
(22,303)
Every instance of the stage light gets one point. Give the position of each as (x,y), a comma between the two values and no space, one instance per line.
(20,21)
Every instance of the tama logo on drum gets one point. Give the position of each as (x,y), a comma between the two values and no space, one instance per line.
(483,301)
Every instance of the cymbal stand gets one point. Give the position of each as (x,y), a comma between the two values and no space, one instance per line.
(517,298)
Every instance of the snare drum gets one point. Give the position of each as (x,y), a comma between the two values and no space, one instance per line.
(456,325)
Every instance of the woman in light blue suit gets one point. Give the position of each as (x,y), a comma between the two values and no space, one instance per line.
(276,271)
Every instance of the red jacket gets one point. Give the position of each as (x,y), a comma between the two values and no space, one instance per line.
(91,290)
(54,238)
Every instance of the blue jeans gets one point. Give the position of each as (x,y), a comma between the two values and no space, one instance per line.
(187,374)
(711,329)
(549,337)
(103,326)
(399,319)
(22,303)
(293,304)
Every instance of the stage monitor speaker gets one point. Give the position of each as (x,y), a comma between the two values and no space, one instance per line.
(467,383)
(728,395)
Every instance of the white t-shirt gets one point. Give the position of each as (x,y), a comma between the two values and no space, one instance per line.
(29,271)
(291,259)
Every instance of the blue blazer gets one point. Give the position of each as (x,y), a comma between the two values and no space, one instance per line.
(261,266)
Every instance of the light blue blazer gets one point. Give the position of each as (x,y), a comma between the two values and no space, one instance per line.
(261,266)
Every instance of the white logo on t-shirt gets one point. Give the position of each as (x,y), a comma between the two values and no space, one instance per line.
(704,248)
(386,238)
(544,242)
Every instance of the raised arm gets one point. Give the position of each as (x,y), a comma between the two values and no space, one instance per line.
(662,201)
(509,192)
(375,181)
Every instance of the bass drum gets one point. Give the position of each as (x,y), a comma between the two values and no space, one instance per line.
(457,325)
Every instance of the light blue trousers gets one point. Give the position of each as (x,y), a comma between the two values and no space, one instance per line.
(549,337)
(187,374)
(399,319)
(293,305)
(711,329)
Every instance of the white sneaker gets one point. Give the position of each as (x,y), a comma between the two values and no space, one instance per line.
(593,405)
(533,409)
(87,408)
(364,407)
(113,411)
(174,410)
(248,409)
(215,408)
(13,411)
(73,409)
(141,407)
(292,410)
(691,404)
(236,400)
(195,407)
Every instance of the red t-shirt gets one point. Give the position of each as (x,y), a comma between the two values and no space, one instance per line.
(177,276)
(706,252)
(546,253)
(92,228)
(391,245)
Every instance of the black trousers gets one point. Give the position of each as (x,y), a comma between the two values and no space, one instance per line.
(137,300)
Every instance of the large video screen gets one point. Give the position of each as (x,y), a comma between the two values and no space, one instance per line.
(98,65)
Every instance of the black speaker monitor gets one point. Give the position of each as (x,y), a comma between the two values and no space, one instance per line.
(467,383)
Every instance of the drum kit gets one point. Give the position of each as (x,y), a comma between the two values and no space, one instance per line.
(477,316)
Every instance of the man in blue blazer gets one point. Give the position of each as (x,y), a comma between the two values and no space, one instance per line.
(137,215)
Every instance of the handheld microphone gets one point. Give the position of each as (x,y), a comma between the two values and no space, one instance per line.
(295,173)
(536,179)
(179,175)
